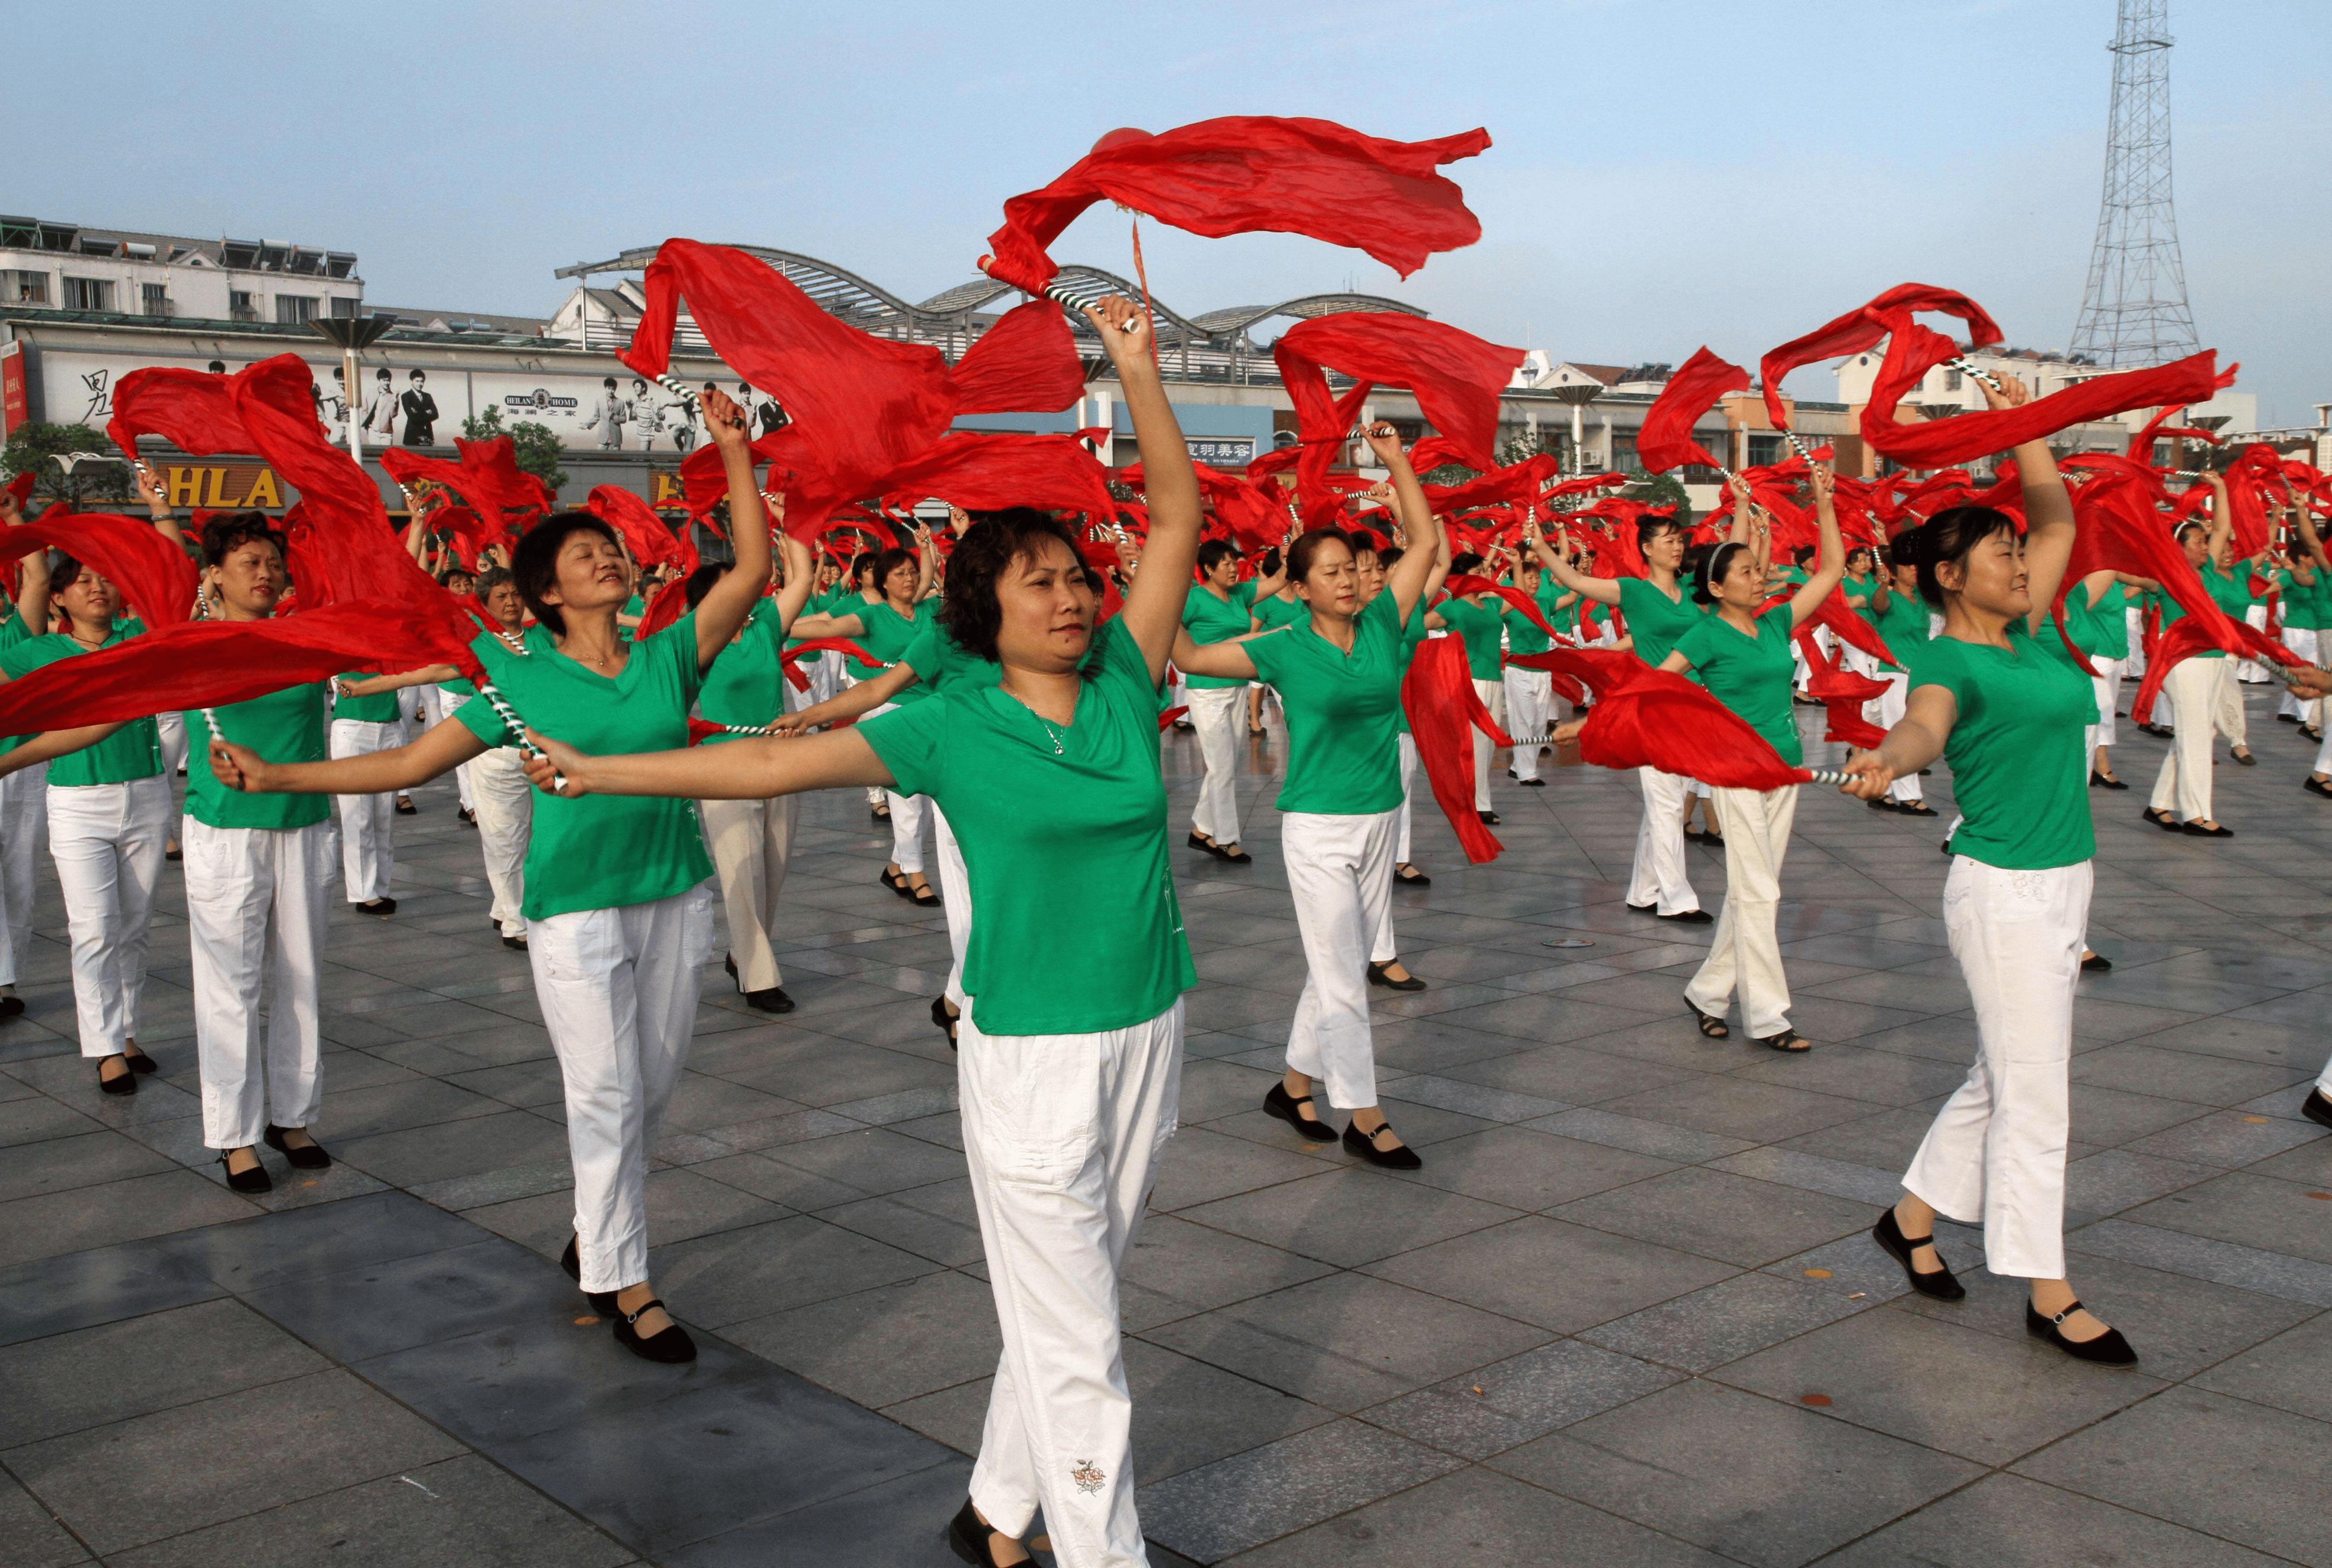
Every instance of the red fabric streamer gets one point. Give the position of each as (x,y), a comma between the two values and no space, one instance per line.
(1667,440)
(1242,174)
(1462,586)
(1861,328)
(1027,361)
(790,660)
(155,579)
(1646,718)
(487,476)
(644,534)
(1169,717)
(1841,692)
(1444,711)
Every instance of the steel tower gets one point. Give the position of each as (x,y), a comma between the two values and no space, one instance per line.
(2134,311)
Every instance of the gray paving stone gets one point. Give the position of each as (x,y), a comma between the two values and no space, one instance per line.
(1506,1405)
(1523,1168)
(106,1284)
(2250,1210)
(1738,1108)
(1197,1267)
(84,1160)
(1491,1104)
(1186,1413)
(2257,1489)
(2224,1262)
(30,1537)
(1559,1276)
(1347,1216)
(896,1522)
(1721,1215)
(1816,1173)
(1709,1464)
(2286,1372)
(1201,1165)
(127,1484)
(1220,1509)
(142,1206)
(67,1382)
(886,1345)
(1721,1323)
(734,1275)
(1659,1139)
(2004,1521)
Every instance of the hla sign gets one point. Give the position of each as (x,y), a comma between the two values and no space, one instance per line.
(223,486)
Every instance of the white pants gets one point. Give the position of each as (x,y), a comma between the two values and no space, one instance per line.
(1340,873)
(255,914)
(1995,1155)
(1384,950)
(368,822)
(1746,952)
(437,706)
(875,794)
(23,820)
(1494,697)
(1891,704)
(2200,691)
(2250,671)
(505,808)
(1062,1134)
(826,677)
(2134,618)
(107,840)
(173,729)
(907,813)
(2106,685)
(1407,746)
(619,993)
(2302,641)
(955,902)
(1219,715)
(1659,870)
(750,841)
(1530,699)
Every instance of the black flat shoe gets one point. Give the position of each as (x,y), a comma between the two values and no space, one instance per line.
(671,1347)
(124,1083)
(140,1062)
(899,887)
(1277,1100)
(944,1020)
(1377,977)
(880,813)
(968,1536)
(603,1302)
(255,1180)
(1489,816)
(1233,857)
(1401,1157)
(1686,916)
(773,1000)
(2100,781)
(1531,783)
(384,907)
(174,855)
(2318,1109)
(2287,718)
(309,1157)
(1915,808)
(467,815)
(1412,877)
(1203,847)
(2245,757)
(406,808)
(2312,785)
(1938,1286)
(923,897)
(13,1006)
(2097,964)
(2160,818)
(2197,830)
(516,943)
(2109,1349)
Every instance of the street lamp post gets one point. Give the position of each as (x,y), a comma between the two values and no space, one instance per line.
(1578,396)
(353,333)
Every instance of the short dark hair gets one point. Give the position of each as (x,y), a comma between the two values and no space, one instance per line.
(1307,548)
(700,582)
(534,564)
(493,577)
(1464,563)
(1648,529)
(63,572)
(1389,557)
(889,561)
(230,531)
(445,578)
(968,606)
(1949,535)
(1215,552)
(1714,567)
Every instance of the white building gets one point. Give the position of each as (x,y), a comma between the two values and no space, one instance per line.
(1947,389)
(62,266)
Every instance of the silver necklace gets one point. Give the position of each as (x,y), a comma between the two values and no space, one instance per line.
(1050,732)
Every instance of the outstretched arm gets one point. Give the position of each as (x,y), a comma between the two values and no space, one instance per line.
(1225,659)
(427,675)
(1915,742)
(51,744)
(1557,561)
(724,608)
(440,750)
(850,703)
(748,770)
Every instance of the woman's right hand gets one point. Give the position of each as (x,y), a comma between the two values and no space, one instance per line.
(239,767)
(790,724)
(1124,331)
(1869,776)
(554,767)
(1384,441)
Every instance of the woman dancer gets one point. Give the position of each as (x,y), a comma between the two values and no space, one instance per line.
(1658,612)
(1998,696)
(1530,693)
(1481,620)
(616,930)
(1220,608)
(23,816)
(2097,618)
(1279,607)
(367,717)
(1900,618)
(1051,778)
(1339,674)
(2200,688)
(1384,957)
(751,840)
(109,810)
(883,627)
(1745,661)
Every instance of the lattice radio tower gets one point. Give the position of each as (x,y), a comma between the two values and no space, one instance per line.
(2134,311)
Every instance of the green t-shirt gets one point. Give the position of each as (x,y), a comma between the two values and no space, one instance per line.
(886,634)
(1656,621)
(1413,637)
(746,684)
(1213,620)
(1074,928)
(2308,607)
(939,661)
(284,726)
(1344,712)
(2019,770)
(12,631)
(1480,625)
(1522,635)
(2231,595)
(380,708)
(1902,625)
(634,607)
(132,751)
(601,851)
(1275,611)
(2100,630)
(1751,675)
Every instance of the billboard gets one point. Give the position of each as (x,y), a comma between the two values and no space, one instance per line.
(15,406)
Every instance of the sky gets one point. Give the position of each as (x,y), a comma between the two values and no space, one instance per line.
(1665,173)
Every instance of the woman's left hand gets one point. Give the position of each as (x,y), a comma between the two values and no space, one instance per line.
(724,421)
(554,767)
(1869,776)
(239,767)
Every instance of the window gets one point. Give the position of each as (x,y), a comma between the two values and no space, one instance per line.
(291,310)
(88,294)
(26,287)
(343,308)
(1953,380)
(1763,449)
(154,298)
(240,306)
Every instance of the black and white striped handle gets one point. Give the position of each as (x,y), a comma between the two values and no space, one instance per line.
(1986,376)
(509,716)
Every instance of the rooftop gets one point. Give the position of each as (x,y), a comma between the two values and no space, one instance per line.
(22,233)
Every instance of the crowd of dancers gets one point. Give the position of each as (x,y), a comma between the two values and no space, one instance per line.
(1003,681)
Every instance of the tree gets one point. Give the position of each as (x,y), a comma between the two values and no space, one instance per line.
(1659,489)
(536,447)
(35,447)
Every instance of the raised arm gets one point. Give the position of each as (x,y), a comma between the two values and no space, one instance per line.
(750,769)
(158,504)
(1744,510)
(1154,607)
(794,592)
(927,561)
(2048,528)
(724,608)
(1410,573)
(1832,567)
(2223,522)
(1603,590)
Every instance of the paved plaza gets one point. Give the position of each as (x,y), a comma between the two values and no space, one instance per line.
(1626,1314)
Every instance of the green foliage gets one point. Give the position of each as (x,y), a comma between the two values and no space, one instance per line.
(1659,489)
(1519,448)
(537,447)
(36,446)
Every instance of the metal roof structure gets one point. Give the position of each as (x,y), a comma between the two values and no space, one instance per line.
(953,317)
